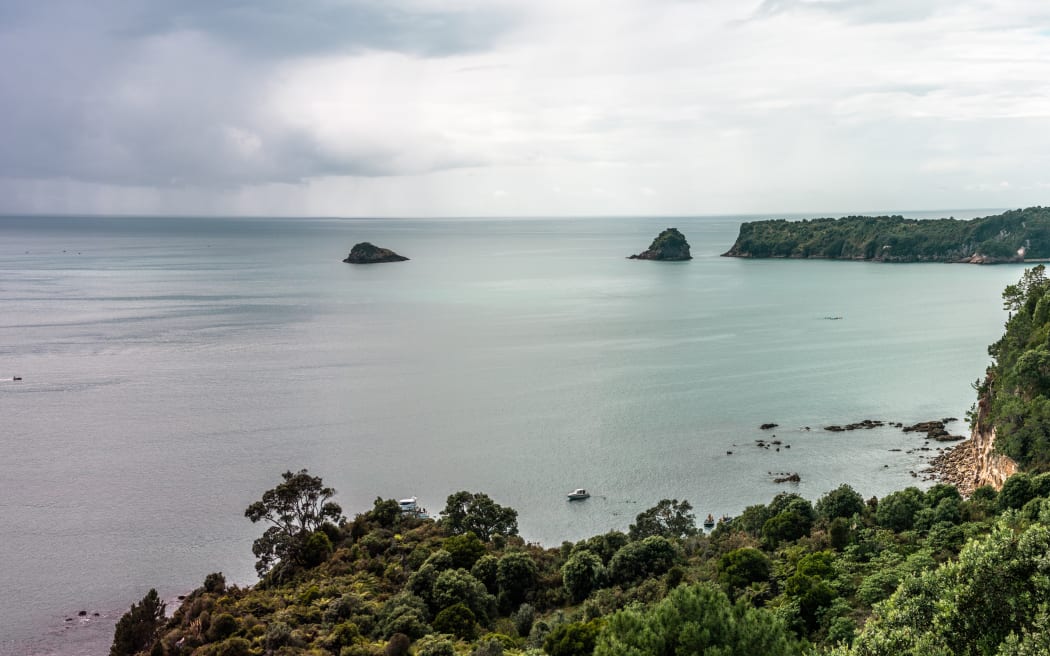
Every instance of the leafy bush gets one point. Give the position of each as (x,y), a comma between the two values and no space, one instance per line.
(457,620)
(573,639)
(695,619)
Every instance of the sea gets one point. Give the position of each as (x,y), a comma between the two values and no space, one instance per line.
(172,368)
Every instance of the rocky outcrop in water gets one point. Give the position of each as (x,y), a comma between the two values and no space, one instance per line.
(669,245)
(367,253)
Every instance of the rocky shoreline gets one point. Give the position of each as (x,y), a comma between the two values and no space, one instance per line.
(967,465)
(958,466)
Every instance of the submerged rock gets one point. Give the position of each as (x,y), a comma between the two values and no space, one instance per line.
(669,245)
(367,253)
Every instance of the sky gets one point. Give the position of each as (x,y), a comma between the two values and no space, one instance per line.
(386,108)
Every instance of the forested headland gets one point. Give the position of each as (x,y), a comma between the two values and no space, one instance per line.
(919,572)
(1013,236)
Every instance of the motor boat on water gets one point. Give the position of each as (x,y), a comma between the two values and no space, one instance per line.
(579,494)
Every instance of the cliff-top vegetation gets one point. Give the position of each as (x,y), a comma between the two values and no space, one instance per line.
(1013,236)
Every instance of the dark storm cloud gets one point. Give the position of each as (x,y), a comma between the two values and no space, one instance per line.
(171,92)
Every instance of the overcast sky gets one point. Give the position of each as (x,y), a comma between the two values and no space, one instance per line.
(522,107)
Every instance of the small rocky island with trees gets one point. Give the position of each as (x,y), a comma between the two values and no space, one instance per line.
(1013,236)
(368,253)
(669,245)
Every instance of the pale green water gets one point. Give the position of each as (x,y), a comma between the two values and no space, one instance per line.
(174,367)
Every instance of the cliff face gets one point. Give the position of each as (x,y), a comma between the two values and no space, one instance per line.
(974,463)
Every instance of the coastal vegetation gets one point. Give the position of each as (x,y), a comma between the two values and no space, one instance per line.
(1014,397)
(917,572)
(843,576)
(1012,236)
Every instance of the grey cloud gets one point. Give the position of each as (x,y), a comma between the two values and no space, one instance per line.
(859,11)
(278,28)
(169,93)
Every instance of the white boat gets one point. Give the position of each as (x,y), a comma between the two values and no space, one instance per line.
(578,494)
(410,508)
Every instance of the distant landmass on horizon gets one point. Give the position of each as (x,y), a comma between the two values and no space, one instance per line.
(1013,236)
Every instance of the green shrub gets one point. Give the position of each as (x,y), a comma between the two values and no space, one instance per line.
(457,620)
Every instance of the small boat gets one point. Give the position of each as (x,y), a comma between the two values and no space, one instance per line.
(16,378)
(579,494)
(710,521)
(409,508)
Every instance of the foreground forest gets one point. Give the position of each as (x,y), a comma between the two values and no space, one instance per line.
(915,572)
(1009,237)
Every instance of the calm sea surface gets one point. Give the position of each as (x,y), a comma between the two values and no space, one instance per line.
(173,368)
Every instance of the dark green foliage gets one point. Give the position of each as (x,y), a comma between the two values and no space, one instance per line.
(465,549)
(136,628)
(896,239)
(488,646)
(215,583)
(457,620)
(604,546)
(1016,492)
(636,560)
(897,511)
(316,550)
(582,573)
(785,527)
(670,244)
(791,502)
(435,646)
(342,635)
(229,647)
(669,518)
(812,595)
(398,645)
(839,533)
(739,568)
(404,613)
(696,619)
(485,570)
(998,586)
(458,586)
(475,512)
(515,576)
(985,493)
(1013,396)
(296,508)
(843,501)
(386,513)
(573,639)
(523,619)
(752,519)
(222,626)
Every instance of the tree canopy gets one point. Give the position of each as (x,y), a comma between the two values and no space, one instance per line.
(477,513)
(669,518)
(295,508)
